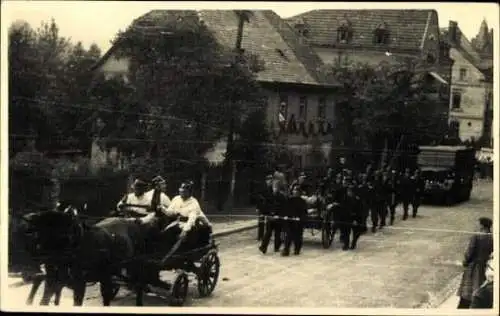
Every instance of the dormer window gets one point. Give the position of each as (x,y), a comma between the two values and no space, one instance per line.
(381,34)
(302,28)
(431,58)
(344,32)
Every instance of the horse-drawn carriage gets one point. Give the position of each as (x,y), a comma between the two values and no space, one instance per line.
(138,271)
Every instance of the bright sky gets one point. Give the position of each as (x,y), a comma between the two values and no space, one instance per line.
(99,21)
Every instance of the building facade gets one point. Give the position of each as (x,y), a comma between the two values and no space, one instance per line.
(471,106)
(382,36)
(300,109)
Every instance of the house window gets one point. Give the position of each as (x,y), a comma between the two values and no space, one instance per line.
(456,99)
(303,108)
(463,73)
(283,106)
(344,32)
(343,35)
(322,107)
(431,58)
(381,34)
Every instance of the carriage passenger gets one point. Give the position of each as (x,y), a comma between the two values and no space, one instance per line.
(159,195)
(139,202)
(192,222)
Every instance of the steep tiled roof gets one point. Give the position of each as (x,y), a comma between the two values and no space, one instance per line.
(273,40)
(266,35)
(406,27)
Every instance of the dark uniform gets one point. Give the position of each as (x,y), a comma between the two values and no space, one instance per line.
(296,208)
(341,216)
(363,192)
(379,209)
(355,225)
(392,186)
(406,191)
(263,201)
(275,207)
(419,185)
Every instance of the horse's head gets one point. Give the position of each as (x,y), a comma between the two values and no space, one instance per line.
(53,232)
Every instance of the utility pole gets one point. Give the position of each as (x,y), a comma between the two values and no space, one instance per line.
(243,17)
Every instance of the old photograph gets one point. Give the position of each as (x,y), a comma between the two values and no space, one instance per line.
(272,155)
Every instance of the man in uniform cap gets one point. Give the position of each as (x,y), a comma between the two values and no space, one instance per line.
(354,225)
(263,202)
(418,191)
(379,208)
(296,211)
(406,191)
(392,189)
(277,203)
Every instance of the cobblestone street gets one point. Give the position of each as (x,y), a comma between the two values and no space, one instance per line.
(404,266)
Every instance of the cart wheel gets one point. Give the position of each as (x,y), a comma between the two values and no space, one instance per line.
(179,290)
(208,274)
(327,232)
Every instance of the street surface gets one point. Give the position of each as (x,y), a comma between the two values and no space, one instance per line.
(403,266)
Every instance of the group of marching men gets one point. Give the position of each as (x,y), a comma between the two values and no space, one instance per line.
(351,197)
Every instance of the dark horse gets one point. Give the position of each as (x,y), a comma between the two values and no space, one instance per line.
(75,253)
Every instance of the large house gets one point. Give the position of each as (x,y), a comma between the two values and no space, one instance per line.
(471,103)
(382,36)
(300,100)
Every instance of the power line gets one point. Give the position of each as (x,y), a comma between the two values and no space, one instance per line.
(98,108)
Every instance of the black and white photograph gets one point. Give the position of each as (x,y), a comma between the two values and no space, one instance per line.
(251,157)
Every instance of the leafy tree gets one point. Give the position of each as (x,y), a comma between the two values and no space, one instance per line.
(186,86)
(47,76)
(390,101)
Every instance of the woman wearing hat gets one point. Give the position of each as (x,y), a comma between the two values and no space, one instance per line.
(475,262)
(159,197)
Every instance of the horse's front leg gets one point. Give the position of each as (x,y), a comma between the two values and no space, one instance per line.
(34,288)
(49,290)
(107,289)
(58,293)
(79,285)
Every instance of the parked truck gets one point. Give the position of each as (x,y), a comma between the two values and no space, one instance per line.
(447,171)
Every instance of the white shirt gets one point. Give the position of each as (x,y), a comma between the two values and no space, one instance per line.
(189,208)
(141,204)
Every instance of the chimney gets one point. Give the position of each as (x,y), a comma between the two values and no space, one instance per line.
(453,32)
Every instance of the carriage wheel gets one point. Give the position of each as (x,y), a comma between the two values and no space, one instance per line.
(179,290)
(327,232)
(208,274)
